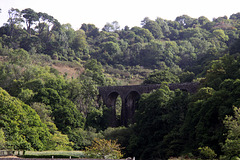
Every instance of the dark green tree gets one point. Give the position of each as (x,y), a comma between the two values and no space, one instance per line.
(30,17)
(159,76)
(158,119)
(154,28)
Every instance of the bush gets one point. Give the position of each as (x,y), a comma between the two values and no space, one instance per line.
(102,148)
(207,153)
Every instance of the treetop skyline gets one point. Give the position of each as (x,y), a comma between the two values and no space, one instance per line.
(127,13)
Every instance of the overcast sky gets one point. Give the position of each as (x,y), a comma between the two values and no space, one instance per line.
(126,12)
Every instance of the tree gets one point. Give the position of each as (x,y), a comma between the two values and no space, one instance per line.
(186,77)
(26,95)
(190,33)
(104,149)
(145,21)
(154,28)
(116,25)
(22,126)
(19,57)
(30,17)
(185,21)
(209,108)
(95,71)
(159,54)
(45,22)
(220,35)
(90,29)
(79,42)
(164,26)
(60,142)
(157,77)
(15,18)
(203,20)
(72,117)
(121,134)
(83,138)
(43,111)
(144,33)
(158,119)
(235,16)
(111,27)
(111,48)
(2,139)
(231,147)
(207,153)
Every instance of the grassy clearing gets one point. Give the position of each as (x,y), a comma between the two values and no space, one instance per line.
(53,153)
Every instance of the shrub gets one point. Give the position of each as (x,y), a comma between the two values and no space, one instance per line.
(207,153)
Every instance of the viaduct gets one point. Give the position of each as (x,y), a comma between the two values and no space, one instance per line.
(130,96)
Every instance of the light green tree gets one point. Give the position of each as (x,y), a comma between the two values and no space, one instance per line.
(220,35)
(2,139)
(60,141)
(102,148)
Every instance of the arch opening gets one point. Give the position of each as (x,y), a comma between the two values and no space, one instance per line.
(114,105)
(131,104)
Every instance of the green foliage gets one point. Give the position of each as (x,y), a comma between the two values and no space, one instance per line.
(83,138)
(59,142)
(207,153)
(71,119)
(231,145)
(26,95)
(121,134)
(154,28)
(209,108)
(94,71)
(220,35)
(224,68)
(2,139)
(111,48)
(111,27)
(143,33)
(106,149)
(22,126)
(79,43)
(160,122)
(19,57)
(94,119)
(157,77)
(186,77)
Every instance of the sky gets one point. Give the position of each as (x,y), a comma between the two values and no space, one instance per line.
(125,12)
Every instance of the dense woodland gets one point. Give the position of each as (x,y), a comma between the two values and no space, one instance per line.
(44,107)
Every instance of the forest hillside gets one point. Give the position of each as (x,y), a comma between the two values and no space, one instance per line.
(49,74)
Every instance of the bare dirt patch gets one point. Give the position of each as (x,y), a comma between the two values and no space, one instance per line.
(72,72)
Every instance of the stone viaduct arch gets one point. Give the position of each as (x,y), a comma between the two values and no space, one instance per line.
(130,96)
